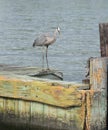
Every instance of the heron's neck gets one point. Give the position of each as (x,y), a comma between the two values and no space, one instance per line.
(55,33)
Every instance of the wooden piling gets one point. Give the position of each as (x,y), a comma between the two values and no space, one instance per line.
(103,28)
(98,94)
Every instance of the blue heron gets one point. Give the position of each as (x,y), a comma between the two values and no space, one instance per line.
(46,40)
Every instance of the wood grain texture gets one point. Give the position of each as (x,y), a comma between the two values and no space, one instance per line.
(32,115)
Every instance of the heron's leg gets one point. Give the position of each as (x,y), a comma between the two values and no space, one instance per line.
(47,57)
(42,57)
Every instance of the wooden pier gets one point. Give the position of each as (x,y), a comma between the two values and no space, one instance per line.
(32,103)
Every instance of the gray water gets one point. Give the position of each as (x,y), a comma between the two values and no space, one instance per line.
(21,21)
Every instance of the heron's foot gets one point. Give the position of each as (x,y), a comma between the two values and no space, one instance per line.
(48,69)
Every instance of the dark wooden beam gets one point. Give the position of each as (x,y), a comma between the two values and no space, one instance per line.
(103,29)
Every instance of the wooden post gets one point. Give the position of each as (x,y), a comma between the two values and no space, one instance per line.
(98,94)
(103,28)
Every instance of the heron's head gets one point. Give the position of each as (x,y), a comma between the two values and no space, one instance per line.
(58,29)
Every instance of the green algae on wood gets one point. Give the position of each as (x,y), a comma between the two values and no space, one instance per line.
(40,91)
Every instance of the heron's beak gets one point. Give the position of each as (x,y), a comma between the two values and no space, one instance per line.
(59,32)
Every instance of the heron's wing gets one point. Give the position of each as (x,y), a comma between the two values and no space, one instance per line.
(40,40)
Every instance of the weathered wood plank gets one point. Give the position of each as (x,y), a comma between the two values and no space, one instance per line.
(33,72)
(98,93)
(41,91)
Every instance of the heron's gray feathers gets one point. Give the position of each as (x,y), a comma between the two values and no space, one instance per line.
(46,39)
(40,40)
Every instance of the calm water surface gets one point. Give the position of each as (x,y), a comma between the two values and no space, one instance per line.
(21,21)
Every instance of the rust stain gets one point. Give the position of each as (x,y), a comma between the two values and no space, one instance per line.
(2,78)
(98,75)
(87,98)
(58,92)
